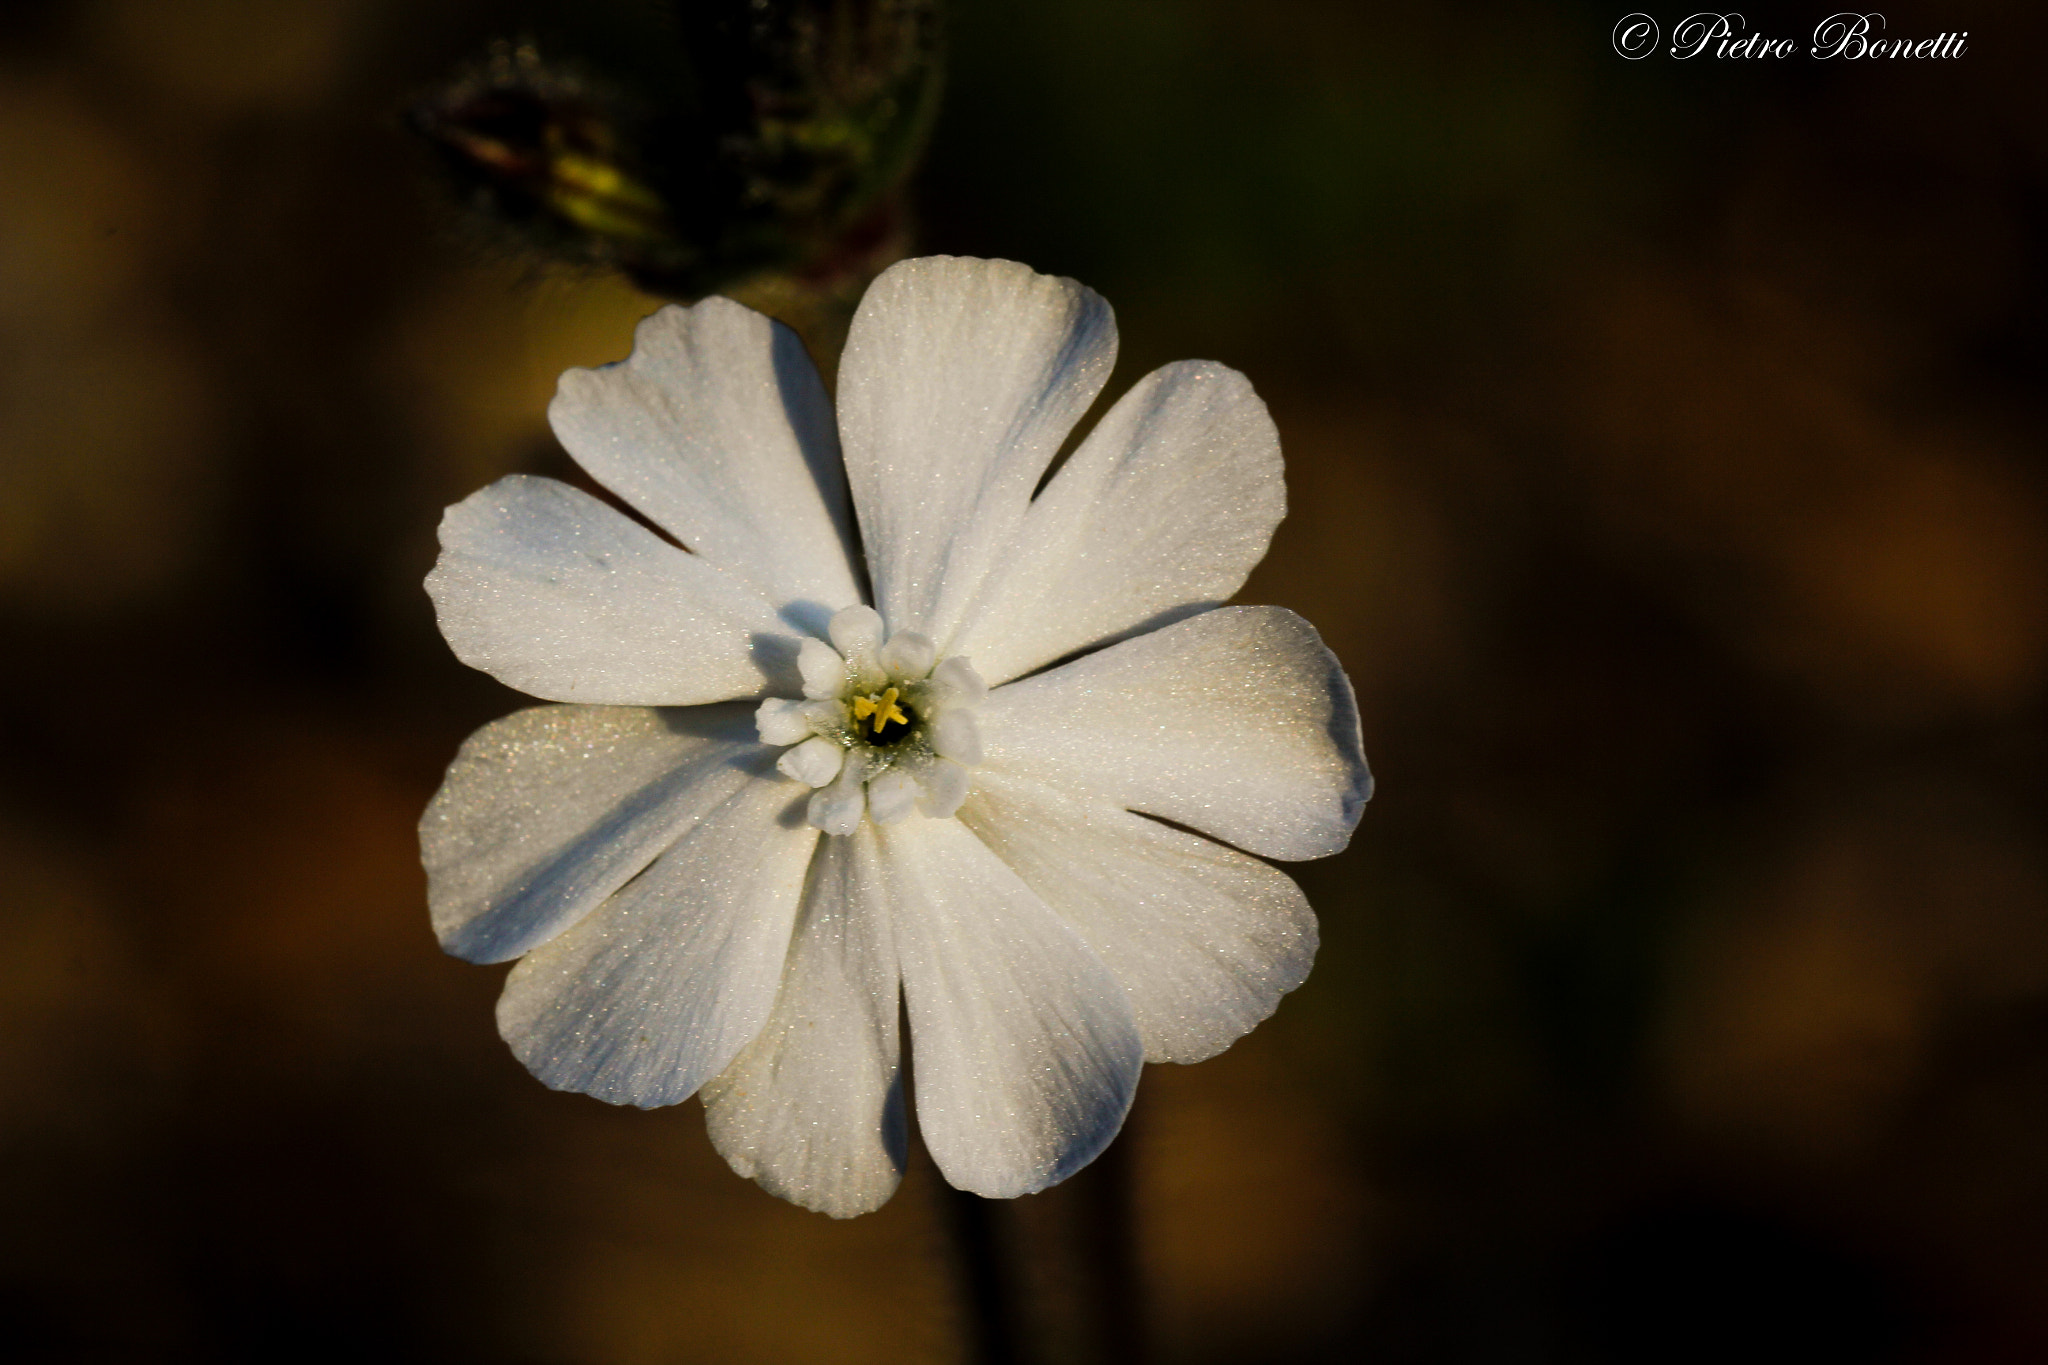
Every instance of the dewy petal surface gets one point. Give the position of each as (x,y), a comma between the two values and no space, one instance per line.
(813,1107)
(1161,512)
(1025,1052)
(1237,723)
(1203,939)
(655,991)
(547,812)
(718,430)
(1049,888)
(552,592)
(959,381)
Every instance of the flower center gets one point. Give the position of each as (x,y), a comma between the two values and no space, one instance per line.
(884,727)
(889,720)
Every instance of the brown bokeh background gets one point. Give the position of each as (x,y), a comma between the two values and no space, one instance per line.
(1665,445)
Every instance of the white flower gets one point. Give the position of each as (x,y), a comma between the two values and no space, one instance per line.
(779,801)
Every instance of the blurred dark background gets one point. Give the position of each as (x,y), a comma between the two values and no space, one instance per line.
(1665,445)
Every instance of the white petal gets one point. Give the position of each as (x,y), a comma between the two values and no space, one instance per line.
(959,381)
(813,1107)
(547,812)
(837,809)
(891,797)
(718,431)
(814,762)
(1025,1055)
(908,655)
(956,735)
(657,990)
(1237,722)
(856,632)
(1161,513)
(783,720)
(824,672)
(552,592)
(944,785)
(1204,939)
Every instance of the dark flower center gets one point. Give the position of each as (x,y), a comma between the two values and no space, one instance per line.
(892,730)
(883,718)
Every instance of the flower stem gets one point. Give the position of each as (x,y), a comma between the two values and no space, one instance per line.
(1107,1230)
(988,1272)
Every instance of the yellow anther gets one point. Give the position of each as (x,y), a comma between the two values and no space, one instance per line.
(883,708)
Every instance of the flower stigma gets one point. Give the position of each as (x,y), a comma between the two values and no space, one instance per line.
(890,720)
(884,727)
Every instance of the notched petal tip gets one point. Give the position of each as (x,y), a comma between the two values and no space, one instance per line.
(949,278)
